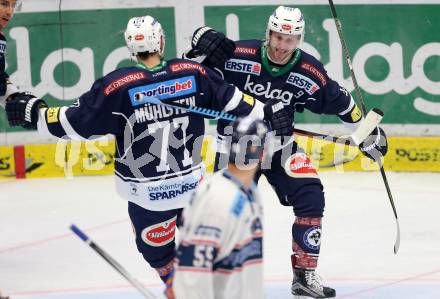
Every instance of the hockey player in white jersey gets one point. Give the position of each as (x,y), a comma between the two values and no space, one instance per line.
(221,251)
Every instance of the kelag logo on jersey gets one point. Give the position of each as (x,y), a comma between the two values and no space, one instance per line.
(302,82)
(243,66)
(163,90)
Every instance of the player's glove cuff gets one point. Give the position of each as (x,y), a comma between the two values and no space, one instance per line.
(375,145)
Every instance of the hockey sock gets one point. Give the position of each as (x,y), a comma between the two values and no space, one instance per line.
(306,233)
(166,271)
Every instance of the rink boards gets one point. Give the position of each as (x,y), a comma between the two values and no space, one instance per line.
(67,159)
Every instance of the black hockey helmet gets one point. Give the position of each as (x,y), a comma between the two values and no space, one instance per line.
(247,142)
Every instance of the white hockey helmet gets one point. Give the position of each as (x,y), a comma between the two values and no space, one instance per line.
(144,34)
(286,20)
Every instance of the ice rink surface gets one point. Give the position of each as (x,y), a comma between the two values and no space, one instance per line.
(40,258)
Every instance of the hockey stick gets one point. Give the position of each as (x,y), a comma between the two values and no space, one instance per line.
(365,128)
(361,101)
(147,294)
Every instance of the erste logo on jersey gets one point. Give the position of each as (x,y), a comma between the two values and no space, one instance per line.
(302,82)
(243,66)
(163,90)
(161,233)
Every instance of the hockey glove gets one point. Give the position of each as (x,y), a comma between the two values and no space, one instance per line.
(279,117)
(375,145)
(215,45)
(22,110)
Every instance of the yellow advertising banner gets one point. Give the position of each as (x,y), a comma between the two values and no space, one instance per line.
(7,163)
(68,159)
(416,154)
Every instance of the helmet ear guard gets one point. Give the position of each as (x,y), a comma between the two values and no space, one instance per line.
(144,35)
(286,20)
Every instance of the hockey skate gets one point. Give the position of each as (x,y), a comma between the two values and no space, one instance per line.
(307,284)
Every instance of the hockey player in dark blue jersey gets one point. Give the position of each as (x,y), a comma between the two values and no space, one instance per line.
(158,162)
(277,68)
(7,9)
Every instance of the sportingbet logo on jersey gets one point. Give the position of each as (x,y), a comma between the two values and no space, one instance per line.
(163,90)
(243,66)
(303,82)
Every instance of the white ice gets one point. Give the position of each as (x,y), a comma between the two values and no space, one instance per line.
(41,259)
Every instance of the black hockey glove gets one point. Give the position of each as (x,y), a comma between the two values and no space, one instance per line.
(279,117)
(215,45)
(375,145)
(22,110)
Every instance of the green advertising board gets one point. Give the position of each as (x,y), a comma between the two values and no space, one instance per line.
(395,50)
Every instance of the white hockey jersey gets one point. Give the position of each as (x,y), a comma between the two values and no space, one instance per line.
(221,250)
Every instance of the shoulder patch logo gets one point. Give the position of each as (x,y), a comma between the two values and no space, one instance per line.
(118,83)
(180,67)
(246,51)
(314,71)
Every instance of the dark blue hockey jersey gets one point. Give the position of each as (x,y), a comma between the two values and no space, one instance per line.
(158,158)
(303,83)
(3,75)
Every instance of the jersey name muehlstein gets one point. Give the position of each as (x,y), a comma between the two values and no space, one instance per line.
(158,112)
